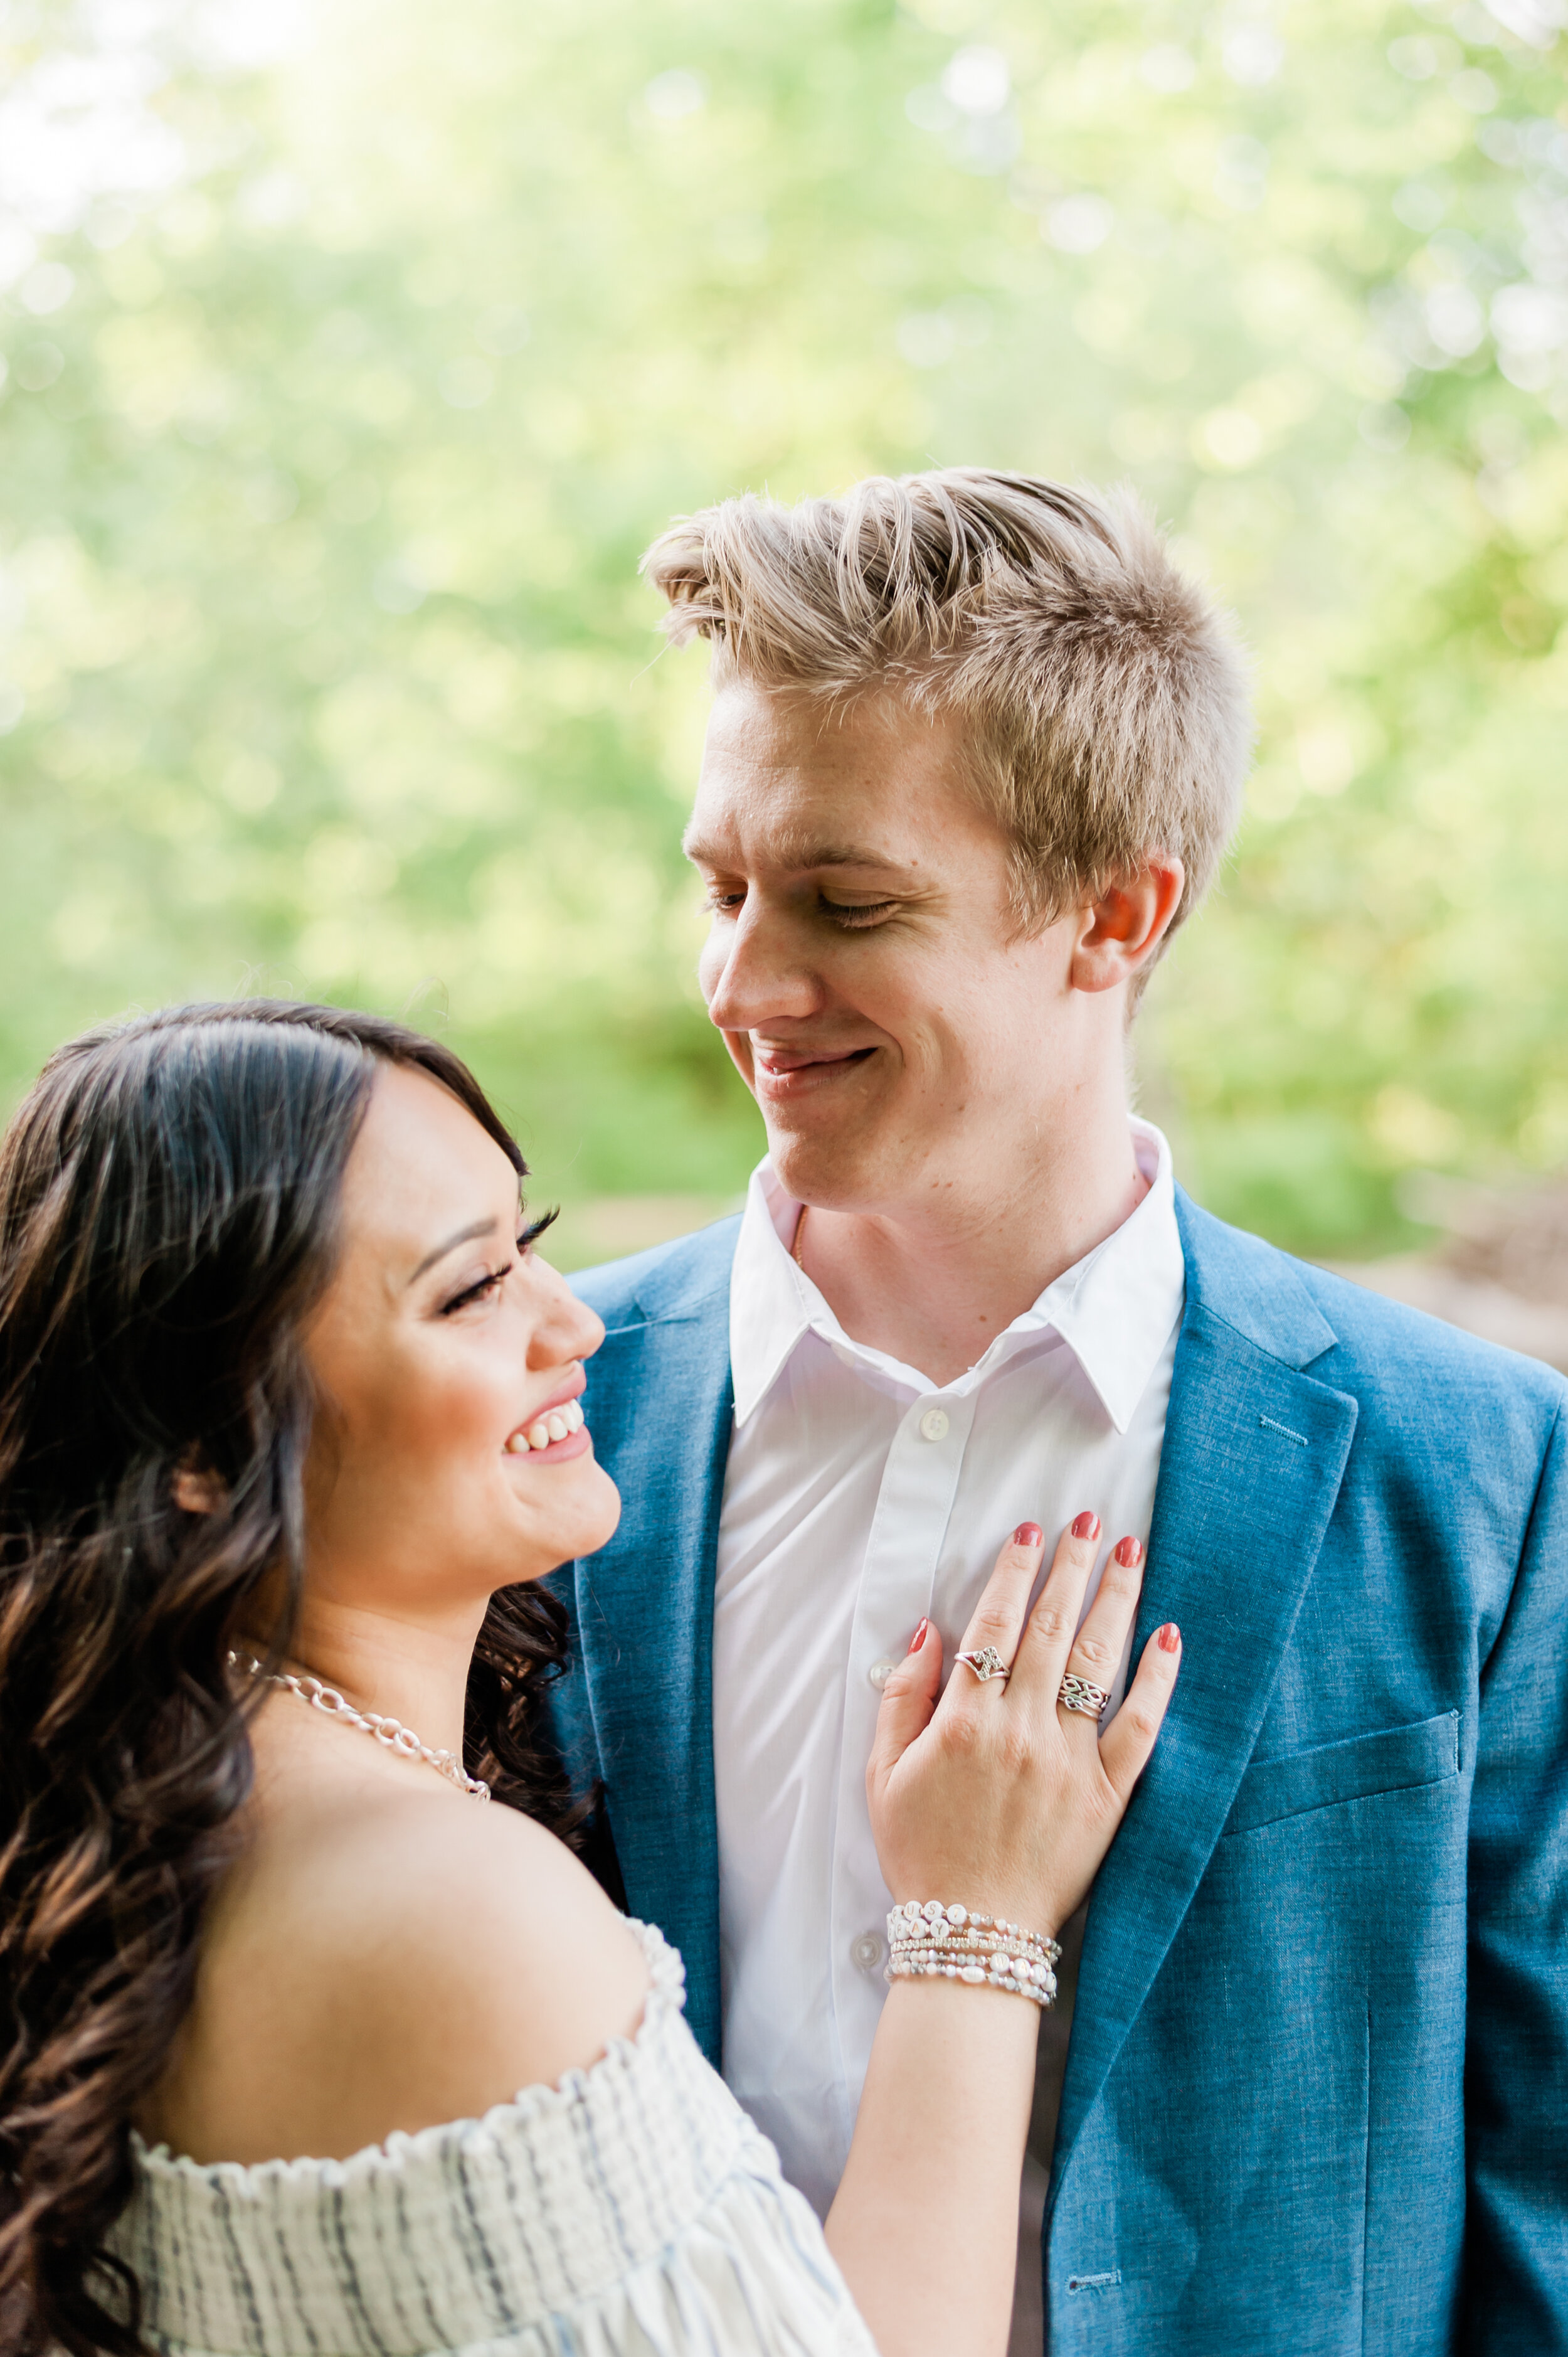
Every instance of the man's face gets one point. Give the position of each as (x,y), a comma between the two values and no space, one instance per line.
(865,965)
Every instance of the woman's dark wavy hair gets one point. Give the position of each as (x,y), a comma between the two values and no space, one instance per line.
(169,1199)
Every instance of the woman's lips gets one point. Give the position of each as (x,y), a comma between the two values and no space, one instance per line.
(555,1431)
(577,1444)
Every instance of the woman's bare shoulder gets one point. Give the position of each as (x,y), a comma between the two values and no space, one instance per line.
(393,1966)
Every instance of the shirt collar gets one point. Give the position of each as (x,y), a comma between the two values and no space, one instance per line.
(1115,1308)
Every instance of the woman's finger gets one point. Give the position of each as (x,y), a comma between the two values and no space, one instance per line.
(999,1615)
(1097,1650)
(1042,1657)
(1127,1742)
(907,1701)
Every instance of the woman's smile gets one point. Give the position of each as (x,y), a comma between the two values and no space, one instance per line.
(554,1432)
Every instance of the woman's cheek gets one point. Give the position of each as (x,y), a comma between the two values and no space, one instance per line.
(473,1418)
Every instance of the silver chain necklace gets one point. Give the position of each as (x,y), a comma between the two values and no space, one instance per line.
(388,1731)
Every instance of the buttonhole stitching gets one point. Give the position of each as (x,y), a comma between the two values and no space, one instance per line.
(1093,2283)
(1299,1438)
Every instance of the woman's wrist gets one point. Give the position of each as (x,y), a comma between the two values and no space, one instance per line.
(928,1941)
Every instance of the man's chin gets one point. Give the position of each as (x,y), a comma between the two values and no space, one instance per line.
(835,1171)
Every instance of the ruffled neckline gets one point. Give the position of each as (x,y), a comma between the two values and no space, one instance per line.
(665,1998)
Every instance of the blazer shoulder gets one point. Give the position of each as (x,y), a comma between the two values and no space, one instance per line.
(1357,1338)
(676,1280)
(1425,1349)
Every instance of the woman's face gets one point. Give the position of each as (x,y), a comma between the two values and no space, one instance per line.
(438,1349)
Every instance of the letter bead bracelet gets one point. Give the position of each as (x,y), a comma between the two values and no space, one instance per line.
(926,1939)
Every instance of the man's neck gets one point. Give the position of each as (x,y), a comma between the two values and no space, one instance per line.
(933,1285)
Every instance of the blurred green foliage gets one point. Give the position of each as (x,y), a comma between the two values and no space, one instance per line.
(353,358)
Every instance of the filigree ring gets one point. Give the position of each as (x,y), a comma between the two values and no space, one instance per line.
(1083,1695)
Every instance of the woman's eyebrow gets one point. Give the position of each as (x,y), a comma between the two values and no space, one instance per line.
(474,1229)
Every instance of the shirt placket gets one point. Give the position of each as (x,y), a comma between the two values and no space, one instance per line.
(909,1530)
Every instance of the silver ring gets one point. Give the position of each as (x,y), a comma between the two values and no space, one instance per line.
(1082,1695)
(986,1665)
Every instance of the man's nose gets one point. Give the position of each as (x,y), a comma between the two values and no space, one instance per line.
(755,972)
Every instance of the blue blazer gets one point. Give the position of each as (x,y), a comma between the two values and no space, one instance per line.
(1316,2093)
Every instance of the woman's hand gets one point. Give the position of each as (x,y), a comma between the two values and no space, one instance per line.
(1000,1798)
(997,1796)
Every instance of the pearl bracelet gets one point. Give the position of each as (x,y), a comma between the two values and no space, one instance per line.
(932,1920)
(1042,1992)
(930,1941)
(974,1951)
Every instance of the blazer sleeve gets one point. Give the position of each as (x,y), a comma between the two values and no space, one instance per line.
(1516,2092)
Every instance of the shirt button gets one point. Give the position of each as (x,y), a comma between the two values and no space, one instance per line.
(866,1952)
(934,1423)
(879,1673)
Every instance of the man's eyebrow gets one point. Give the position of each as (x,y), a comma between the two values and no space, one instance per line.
(801,852)
(474,1229)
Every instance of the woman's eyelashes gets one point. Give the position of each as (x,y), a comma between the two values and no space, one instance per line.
(480,1290)
(484,1287)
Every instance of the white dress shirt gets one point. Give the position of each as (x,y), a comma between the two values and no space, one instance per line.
(859,1496)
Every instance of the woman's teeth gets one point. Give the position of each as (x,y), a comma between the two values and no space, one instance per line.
(555,1425)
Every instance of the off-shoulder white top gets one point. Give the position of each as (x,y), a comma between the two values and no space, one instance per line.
(633,2210)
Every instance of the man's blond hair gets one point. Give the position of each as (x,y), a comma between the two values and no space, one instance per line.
(1104,695)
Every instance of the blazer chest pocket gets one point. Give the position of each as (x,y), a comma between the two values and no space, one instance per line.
(1389,1760)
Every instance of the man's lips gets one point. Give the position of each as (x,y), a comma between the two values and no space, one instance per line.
(782,1063)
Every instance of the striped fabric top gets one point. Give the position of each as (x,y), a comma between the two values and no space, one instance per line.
(633,2208)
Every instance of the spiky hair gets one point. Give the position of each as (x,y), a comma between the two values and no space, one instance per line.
(1104,697)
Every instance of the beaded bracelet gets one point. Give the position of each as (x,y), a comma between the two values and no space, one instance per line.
(932,1920)
(972,1952)
(1042,1992)
(930,1941)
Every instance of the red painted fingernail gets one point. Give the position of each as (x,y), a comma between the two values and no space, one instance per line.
(1170,1638)
(1129,1552)
(918,1639)
(1087,1526)
(1028,1534)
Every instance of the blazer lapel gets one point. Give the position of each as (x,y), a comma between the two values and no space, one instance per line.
(1254,1452)
(659,1400)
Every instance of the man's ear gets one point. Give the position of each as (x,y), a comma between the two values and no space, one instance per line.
(1122,930)
(195,1488)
